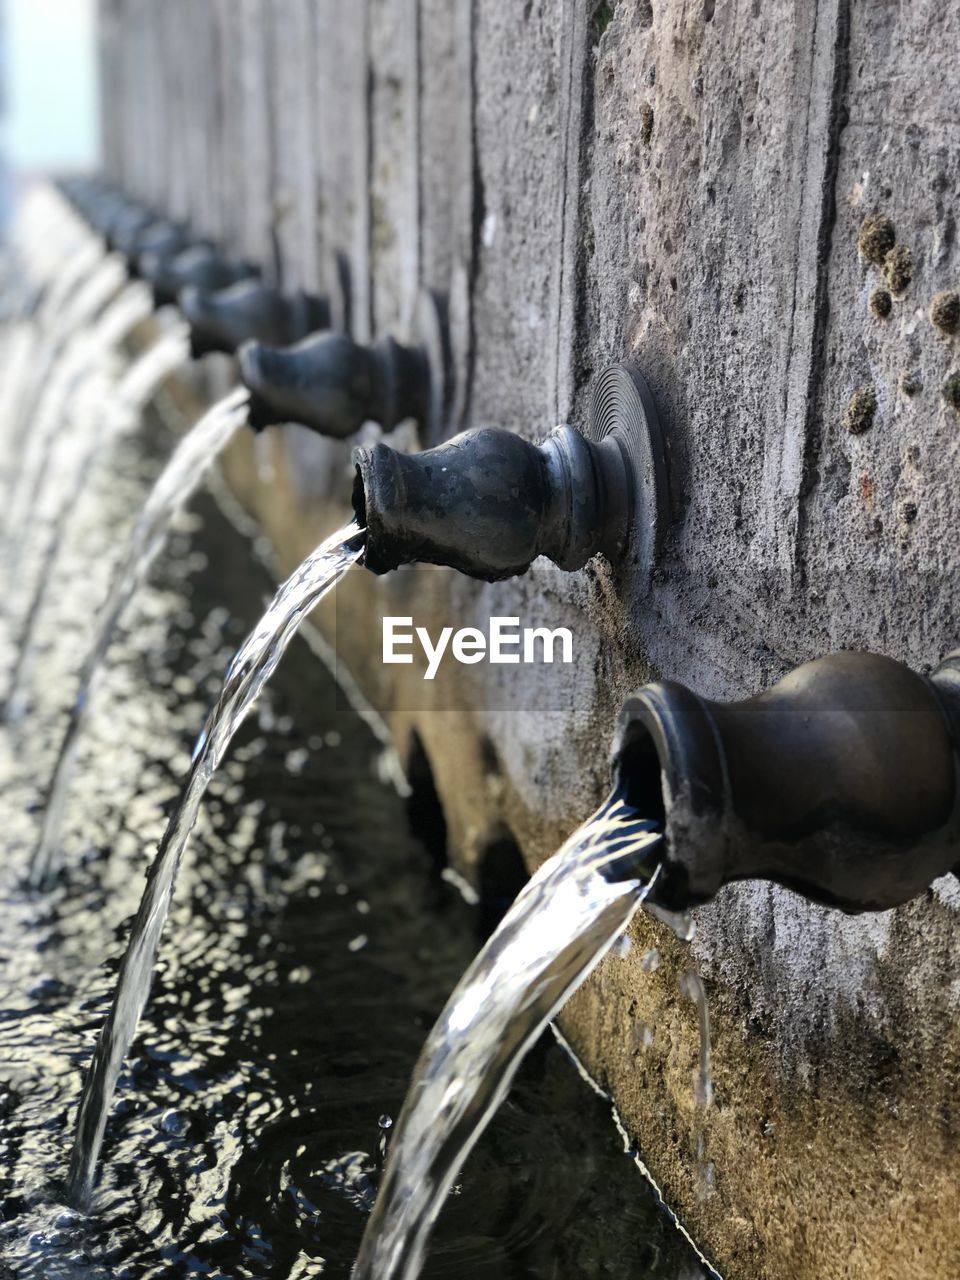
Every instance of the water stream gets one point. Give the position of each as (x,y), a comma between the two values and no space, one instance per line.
(62,324)
(557,931)
(152,368)
(183,474)
(67,370)
(248,673)
(96,408)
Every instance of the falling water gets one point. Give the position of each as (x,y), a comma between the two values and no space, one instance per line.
(64,330)
(249,671)
(153,367)
(81,362)
(37,338)
(558,929)
(50,520)
(186,469)
(89,438)
(69,370)
(87,400)
(45,287)
(90,298)
(691,985)
(69,279)
(18,359)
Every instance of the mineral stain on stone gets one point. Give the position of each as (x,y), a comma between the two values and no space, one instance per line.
(881,304)
(877,237)
(898,268)
(945,311)
(860,411)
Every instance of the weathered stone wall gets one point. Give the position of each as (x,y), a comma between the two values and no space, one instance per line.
(683,182)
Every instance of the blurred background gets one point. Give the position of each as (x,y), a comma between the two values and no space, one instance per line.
(49,120)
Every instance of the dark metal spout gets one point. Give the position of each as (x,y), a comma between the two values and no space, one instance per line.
(249,310)
(121,224)
(489,502)
(840,782)
(110,213)
(200,265)
(158,236)
(334,385)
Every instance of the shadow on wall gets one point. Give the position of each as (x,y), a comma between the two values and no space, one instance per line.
(501,872)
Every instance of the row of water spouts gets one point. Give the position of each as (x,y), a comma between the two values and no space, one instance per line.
(704,793)
(69,308)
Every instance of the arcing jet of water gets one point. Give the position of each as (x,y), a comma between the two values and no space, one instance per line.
(102,408)
(180,478)
(558,929)
(249,671)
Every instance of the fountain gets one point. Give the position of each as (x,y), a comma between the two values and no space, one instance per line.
(840,782)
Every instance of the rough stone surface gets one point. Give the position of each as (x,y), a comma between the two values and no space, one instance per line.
(685,184)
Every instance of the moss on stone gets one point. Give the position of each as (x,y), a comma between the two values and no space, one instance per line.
(945,311)
(860,411)
(877,237)
(881,304)
(951,391)
(898,268)
(602,16)
(910,382)
(646,123)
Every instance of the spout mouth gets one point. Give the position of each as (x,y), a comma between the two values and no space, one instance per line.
(155,268)
(122,227)
(160,237)
(667,765)
(478,504)
(257,371)
(219,322)
(358,496)
(195,308)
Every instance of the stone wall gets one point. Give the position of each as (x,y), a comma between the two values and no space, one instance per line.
(682,182)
